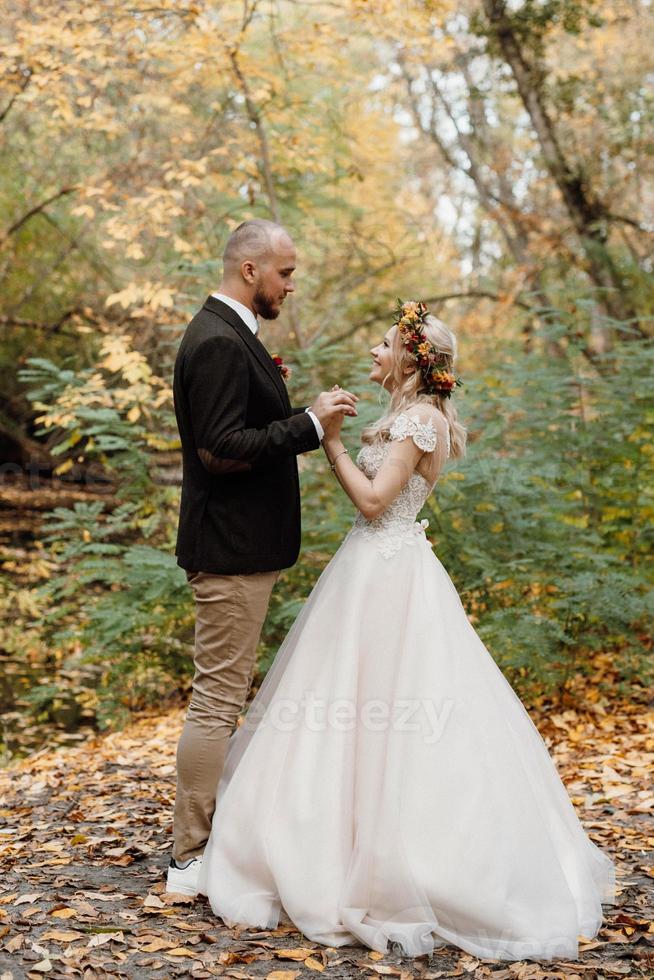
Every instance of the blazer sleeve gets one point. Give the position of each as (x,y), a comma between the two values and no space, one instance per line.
(216,380)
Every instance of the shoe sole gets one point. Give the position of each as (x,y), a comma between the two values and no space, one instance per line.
(187,892)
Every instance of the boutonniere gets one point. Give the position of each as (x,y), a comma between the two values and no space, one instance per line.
(284,369)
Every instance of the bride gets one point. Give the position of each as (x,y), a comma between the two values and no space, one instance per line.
(387,784)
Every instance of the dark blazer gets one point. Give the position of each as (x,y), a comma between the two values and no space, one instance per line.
(240,504)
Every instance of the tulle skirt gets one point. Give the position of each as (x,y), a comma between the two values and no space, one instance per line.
(387,783)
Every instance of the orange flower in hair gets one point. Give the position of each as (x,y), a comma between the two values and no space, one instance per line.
(409,319)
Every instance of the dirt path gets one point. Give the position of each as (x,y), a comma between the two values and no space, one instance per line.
(85,837)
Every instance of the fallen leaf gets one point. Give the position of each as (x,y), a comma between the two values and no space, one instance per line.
(156,944)
(300,953)
(106,896)
(176,898)
(105,937)
(61,935)
(65,913)
(25,899)
(152,902)
(181,951)
(228,958)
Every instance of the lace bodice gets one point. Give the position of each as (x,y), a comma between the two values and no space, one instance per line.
(397,524)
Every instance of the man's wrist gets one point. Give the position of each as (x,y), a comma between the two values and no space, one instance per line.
(316,421)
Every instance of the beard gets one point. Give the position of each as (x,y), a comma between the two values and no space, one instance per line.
(263,304)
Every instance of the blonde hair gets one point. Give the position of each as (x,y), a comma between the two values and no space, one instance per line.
(409,388)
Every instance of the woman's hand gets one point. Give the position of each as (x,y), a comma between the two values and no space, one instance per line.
(334,425)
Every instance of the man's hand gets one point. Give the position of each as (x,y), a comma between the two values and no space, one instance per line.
(332,405)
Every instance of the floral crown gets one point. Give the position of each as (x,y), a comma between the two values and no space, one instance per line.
(409,319)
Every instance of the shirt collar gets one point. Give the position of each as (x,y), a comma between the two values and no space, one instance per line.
(245,314)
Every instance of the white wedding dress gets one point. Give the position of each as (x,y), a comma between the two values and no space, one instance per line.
(387,784)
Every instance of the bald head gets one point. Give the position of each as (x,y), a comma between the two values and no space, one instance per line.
(258,262)
(255,240)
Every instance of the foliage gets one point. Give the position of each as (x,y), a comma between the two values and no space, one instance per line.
(492,160)
(114,597)
(547,528)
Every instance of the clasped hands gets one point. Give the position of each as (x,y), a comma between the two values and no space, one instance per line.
(331,407)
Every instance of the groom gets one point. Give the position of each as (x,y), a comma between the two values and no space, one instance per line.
(239,521)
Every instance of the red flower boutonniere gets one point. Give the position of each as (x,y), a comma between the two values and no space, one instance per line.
(284,369)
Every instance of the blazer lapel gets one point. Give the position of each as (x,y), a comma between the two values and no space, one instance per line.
(226,313)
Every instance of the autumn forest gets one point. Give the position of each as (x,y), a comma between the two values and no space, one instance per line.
(493,159)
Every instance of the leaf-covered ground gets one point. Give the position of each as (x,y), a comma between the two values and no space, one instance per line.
(85,837)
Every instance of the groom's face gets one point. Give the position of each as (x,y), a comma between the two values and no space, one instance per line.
(274,280)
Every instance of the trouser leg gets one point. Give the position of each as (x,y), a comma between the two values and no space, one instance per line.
(230,611)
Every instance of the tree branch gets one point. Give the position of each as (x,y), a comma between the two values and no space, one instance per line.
(248,14)
(37,209)
(586,211)
(256,119)
(638,225)
(27,74)
(16,321)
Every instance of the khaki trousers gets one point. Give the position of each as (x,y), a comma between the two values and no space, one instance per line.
(229,614)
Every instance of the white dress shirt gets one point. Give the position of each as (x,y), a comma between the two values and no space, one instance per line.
(251,321)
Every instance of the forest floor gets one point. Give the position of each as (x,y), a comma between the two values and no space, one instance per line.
(85,837)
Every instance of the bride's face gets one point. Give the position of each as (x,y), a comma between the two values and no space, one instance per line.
(383,357)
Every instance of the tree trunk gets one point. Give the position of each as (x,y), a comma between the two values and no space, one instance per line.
(587,213)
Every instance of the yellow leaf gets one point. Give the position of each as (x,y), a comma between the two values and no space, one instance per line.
(127,296)
(300,953)
(156,945)
(60,935)
(181,246)
(63,913)
(161,298)
(180,951)
(314,964)
(581,521)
